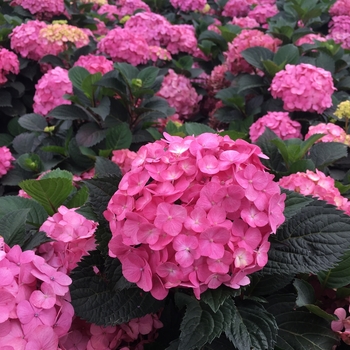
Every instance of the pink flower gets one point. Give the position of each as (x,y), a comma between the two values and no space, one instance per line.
(46,9)
(188,5)
(123,158)
(236,8)
(43,337)
(333,133)
(244,22)
(125,7)
(6,160)
(262,12)
(8,64)
(340,8)
(310,39)
(303,87)
(279,122)
(95,64)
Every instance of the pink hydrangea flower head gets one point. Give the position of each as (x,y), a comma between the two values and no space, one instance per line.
(236,8)
(50,89)
(340,8)
(157,53)
(316,184)
(310,39)
(303,87)
(123,158)
(180,94)
(110,11)
(42,9)
(262,12)
(95,64)
(155,28)
(8,64)
(189,5)
(333,133)
(6,160)
(244,22)
(246,39)
(123,45)
(279,122)
(24,40)
(194,212)
(182,39)
(217,79)
(123,8)
(339,30)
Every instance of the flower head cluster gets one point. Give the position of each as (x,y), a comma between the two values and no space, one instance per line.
(189,5)
(262,12)
(50,89)
(109,11)
(180,94)
(25,40)
(157,53)
(124,45)
(182,39)
(6,159)
(217,79)
(316,184)
(244,22)
(236,8)
(279,122)
(340,8)
(8,64)
(342,325)
(310,39)
(194,212)
(333,133)
(303,87)
(123,158)
(43,9)
(123,8)
(57,36)
(95,64)
(73,235)
(343,110)
(34,311)
(244,40)
(155,28)
(339,30)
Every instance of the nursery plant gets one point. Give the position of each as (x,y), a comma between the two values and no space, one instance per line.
(174,175)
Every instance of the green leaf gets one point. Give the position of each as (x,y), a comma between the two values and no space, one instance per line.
(70,112)
(339,276)
(50,193)
(90,134)
(282,147)
(119,137)
(103,109)
(30,162)
(216,38)
(301,166)
(256,55)
(12,226)
(299,329)
(286,54)
(248,81)
(316,310)
(216,297)
(36,215)
(96,299)
(87,85)
(77,75)
(197,129)
(128,71)
(267,284)
(326,62)
(311,241)
(33,239)
(58,173)
(271,68)
(148,76)
(305,292)
(33,122)
(250,326)
(105,167)
(78,199)
(100,192)
(5,139)
(325,153)
(295,202)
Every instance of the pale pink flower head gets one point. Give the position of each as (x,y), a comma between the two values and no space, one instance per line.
(42,9)
(189,5)
(123,45)
(8,64)
(122,8)
(67,225)
(95,64)
(174,217)
(6,160)
(262,12)
(340,8)
(180,94)
(236,8)
(246,39)
(279,122)
(310,39)
(50,89)
(244,22)
(333,133)
(303,87)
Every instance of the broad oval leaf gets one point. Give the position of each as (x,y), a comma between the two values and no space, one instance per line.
(32,122)
(89,135)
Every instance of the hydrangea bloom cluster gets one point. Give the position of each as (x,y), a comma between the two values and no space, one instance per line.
(8,64)
(303,87)
(194,212)
(217,79)
(180,94)
(95,64)
(123,45)
(155,28)
(123,158)
(339,31)
(262,12)
(310,39)
(236,8)
(340,8)
(43,9)
(50,89)
(333,133)
(342,325)
(110,11)
(182,39)
(123,8)
(244,40)
(157,53)
(316,184)
(58,34)
(244,22)
(73,235)
(34,311)
(6,159)
(189,5)
(279,122)
(25,40)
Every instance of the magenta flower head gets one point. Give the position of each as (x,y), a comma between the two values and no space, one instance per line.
(303,87)
(8,64)
(194,212)
(6,160)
